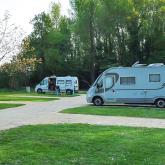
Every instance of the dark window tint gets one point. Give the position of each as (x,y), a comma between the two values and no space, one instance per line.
(127,80)
(60,82)
(69,82)
(154,78)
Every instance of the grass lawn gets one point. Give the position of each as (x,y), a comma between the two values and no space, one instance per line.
(45,95)
(4,106)
(24,93)
(32,93)
(82,145)
(33,99)
(146,112)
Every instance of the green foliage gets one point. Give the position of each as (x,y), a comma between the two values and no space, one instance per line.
(55,14)
(98,34)
(19,68)
(123,31)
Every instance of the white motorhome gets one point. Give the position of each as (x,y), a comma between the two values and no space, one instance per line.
(66,84)
(76,84)
(137,84)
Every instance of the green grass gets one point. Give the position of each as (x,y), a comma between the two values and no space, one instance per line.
(82,145)
(4,106)
(36,94)
(17,98)
(146,112)
(21,95)
(32,93)
(24,93)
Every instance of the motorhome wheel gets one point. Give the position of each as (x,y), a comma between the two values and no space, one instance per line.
(69,92)
(98,101)
(160,103)
(39,91)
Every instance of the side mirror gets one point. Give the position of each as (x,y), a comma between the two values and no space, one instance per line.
(97,85)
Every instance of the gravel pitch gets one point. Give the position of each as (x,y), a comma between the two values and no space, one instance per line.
(48,113)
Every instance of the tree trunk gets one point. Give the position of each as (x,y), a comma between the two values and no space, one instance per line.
(92,44)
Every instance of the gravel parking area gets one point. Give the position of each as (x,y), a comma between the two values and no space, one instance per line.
(48,113)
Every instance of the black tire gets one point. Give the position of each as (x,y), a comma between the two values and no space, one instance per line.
(39,91)
(98,101)
(160,103)
(69,92)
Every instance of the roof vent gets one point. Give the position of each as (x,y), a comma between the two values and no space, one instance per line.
(53,76)
(156,65)
(135,64)
(138,65)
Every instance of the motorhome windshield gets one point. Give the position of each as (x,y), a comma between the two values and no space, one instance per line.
(94,84)
(44,82)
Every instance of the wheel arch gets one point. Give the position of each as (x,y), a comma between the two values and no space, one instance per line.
(69,91)
(39,90)
(158,98)
(97,96)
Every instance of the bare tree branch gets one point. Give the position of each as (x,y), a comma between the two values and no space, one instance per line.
(10,38)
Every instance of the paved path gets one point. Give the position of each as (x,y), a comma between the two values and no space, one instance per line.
(48,113)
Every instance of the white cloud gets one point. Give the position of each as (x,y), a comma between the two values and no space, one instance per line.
(23,11)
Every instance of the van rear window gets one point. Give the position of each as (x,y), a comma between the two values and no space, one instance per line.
(127,80)
(69,82)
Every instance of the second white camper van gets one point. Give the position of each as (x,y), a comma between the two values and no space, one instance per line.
(136,84)
(66,84)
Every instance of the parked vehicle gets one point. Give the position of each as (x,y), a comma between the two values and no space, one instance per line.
(137,84)
(76,84)
(66,84)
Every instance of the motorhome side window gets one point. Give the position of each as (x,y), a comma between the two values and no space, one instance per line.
(60,82)
(154,78)
(68,82)
(127,80)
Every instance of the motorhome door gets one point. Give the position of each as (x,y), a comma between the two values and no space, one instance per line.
(70,84)
(109,91)
(61,83)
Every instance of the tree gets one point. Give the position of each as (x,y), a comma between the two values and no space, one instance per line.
(42,26)
(55,14)
(86,29)
(19,69)
(51,41)
(99,34)
(10,38)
